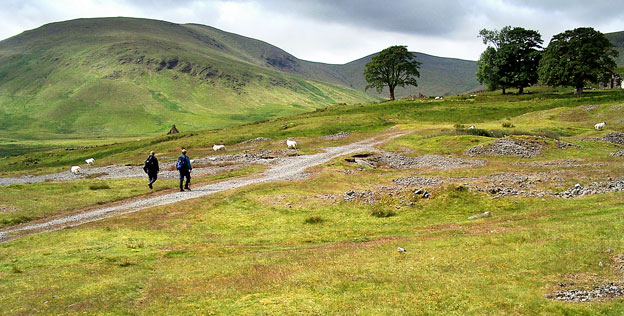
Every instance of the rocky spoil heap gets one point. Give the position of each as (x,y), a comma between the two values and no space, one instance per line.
(619,153)
(435,162)
(593,188)
(506,147)
(418,182)
(615,138)
(599,292)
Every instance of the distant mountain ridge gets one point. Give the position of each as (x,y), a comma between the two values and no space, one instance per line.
(439,75)
(127,76)
(617,38)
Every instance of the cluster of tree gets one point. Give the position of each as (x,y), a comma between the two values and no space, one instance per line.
(514,58)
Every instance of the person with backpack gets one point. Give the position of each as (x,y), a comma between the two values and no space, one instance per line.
(151,168)
(184,167)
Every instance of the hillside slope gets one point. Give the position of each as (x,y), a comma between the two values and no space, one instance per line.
(617,38)
(124,76)
(127,76)
(439,76)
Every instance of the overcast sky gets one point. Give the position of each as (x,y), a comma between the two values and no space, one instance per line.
(338,31)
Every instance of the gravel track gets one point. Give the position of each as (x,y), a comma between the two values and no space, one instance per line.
(118,172)
(282,169)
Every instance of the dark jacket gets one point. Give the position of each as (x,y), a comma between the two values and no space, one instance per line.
(151,165)
(187,166)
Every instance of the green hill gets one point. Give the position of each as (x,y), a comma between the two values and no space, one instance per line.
(123,76)
(617,38)
(439,76)
(127,76)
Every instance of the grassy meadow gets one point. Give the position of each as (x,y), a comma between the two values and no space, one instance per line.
(288,248)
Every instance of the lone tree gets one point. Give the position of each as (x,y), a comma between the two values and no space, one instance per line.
(577,56)
(392,67)
(512,59)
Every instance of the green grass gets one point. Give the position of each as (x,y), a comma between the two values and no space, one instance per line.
(284,248)
(230,254)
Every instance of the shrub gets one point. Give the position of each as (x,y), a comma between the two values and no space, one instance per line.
(99,186)
(459,126)
(314,220)
(384,207)
(382,212)
(132,243)
(479,132)
(507,125)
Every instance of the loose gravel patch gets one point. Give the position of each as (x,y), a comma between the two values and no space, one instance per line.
(428,182)
(609,290)
(562,163)
(506,147)
(619,153)
(255,140)
(432,162)
(208,166)
(115,172)
(336,136)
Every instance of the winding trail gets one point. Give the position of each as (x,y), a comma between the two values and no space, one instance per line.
(289,168)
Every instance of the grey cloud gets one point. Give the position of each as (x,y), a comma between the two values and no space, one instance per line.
(400,16)
(594,12)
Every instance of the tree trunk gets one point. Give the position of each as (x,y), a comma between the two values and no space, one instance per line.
(521,90)
(579,90)
(504,90)
(391,92)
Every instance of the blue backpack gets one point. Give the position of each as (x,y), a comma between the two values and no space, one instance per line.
(181,163)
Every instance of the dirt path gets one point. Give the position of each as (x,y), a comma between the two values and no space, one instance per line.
(289,168)
(122,172)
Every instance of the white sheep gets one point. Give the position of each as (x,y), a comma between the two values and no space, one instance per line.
(600,126)
(471,127)
(218,147)
(90,161)
(75,170)
(291,144)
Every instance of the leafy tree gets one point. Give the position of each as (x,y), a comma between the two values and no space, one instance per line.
(392,67)
(512,60)
(575,57)
(488,69)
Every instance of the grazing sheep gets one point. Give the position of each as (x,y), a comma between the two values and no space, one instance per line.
(90,161)
(600,126)
(471,127)
(439,98)
(218,147)
(75,170)
(291,144)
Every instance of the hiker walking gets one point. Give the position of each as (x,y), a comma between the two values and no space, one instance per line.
(184,167)
(151,168)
